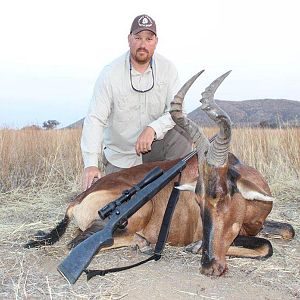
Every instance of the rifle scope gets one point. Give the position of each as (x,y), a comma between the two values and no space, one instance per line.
(105,211)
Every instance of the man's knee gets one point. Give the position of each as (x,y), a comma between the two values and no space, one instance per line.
(175,144)
(178,144)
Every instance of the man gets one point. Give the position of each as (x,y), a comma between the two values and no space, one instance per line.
(128,114)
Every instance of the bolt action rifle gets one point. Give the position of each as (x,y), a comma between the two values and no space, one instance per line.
(118,213)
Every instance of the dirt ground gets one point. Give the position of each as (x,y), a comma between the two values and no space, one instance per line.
(32,274)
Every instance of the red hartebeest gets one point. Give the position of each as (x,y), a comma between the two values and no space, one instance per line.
(223,202)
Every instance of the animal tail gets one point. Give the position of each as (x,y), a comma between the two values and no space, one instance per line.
(43,239)
(285,230)
(250,247)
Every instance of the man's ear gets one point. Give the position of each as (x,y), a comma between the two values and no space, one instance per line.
(128,38)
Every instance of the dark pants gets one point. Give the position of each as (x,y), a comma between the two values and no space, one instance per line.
(175,144)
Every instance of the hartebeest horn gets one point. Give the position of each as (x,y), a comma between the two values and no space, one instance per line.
(217,154)
(200,140)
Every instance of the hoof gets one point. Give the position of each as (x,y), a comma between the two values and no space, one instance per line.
(214,269)
(146,250)
(194,248)
(142,244)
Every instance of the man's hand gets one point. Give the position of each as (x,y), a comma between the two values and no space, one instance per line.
(90,174)
(144,141)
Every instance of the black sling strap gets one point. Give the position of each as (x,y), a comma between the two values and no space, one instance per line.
(161,241)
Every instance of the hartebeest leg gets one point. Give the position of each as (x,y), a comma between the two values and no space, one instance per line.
(122,238)
(125,239)
(243,246)
(96,226)
(285,230)
(143,244)
(250,247)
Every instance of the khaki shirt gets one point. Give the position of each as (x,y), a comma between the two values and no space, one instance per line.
(117,114)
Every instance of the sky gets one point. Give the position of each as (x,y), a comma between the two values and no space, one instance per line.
(52,52)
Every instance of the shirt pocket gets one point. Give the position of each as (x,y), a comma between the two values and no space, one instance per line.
(125,109)
(158,100)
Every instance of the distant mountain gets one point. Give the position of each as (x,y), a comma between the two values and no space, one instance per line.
(76,124)
(263,113)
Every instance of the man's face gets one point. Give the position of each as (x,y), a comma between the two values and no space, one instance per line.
(142,46)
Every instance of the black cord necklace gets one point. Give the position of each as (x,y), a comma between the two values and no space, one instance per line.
(141,91)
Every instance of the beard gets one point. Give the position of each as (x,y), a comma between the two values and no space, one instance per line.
(141,56)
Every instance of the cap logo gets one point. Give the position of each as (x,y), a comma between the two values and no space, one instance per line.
(145,21)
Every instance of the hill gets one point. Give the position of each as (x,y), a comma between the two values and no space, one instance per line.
(76,124)
(263,112)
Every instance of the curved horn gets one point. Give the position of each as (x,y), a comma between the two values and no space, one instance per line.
(196,134)
(217,154)
(184,89)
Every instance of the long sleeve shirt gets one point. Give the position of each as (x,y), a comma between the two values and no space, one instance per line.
(117,114)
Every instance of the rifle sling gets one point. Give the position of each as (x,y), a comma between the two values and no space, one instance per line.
(161,241)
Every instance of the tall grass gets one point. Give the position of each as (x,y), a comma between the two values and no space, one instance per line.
(36,158)
(44,158)
(274,152)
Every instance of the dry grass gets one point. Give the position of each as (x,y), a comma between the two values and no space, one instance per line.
(272,151)
(39,174)
(39,158)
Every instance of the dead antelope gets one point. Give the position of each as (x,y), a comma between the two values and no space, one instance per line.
(223,202)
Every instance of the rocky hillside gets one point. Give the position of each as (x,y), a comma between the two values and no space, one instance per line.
(264,113)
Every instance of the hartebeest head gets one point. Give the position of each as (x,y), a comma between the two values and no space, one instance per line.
(218,232)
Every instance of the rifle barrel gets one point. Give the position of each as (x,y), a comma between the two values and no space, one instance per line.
(79,258)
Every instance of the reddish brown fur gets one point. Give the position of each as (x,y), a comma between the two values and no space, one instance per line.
(229,215)
(186,226)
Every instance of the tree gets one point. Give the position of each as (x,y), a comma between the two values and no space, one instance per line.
(267,124)
(263,124)
(50,124)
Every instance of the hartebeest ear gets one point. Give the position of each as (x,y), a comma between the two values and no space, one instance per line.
(246,180)
(241,179)
(251,191)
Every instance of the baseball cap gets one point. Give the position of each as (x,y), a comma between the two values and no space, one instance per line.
(143,22)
